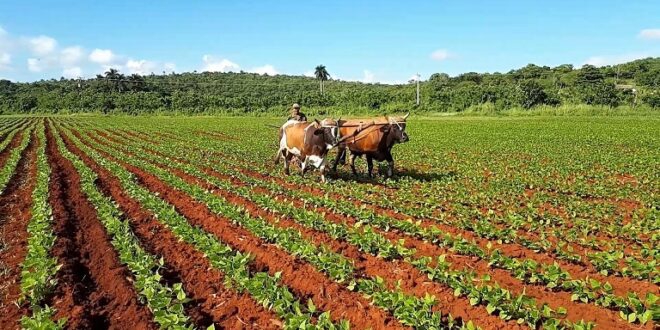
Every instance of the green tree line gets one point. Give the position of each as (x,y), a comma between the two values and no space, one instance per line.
(634,84)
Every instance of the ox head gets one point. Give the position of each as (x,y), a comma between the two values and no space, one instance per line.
(328,130)
(330,127)
(398,128)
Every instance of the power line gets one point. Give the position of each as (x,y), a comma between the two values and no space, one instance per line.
(417,78)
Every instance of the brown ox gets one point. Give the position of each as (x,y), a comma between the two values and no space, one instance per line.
(309,142)
(373,138)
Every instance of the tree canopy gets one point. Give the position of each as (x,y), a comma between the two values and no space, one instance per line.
(635,83)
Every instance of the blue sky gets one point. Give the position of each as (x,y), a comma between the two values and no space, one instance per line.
(357,40)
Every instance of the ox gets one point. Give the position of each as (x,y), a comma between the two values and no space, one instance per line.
(309,142)
(373,138)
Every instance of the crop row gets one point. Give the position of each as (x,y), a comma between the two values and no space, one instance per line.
(458,192)
(9,127)
(511,226)
(263,287)
(607,262)
(409,310)
(371,241)
(39,268)
(164,301)
(551,275)
(14,156)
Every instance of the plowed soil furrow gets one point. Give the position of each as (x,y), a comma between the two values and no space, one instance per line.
(135,134)
(385,191)
(94,290)
(412,280)
(305,281)
(11,127)
(389,191)
(211,301)
(15,142)
(576,311)
(630,247)
(501,208)
(621,285)
(15,213)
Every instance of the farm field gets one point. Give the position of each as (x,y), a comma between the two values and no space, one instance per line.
(185,222)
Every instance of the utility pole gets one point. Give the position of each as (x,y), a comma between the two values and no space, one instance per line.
(417,89)
(80,94)
(618,69)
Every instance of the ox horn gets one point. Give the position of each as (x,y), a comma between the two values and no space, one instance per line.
(406,116)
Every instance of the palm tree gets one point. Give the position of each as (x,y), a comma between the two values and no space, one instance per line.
(321,74)
(116,77)
(136,82)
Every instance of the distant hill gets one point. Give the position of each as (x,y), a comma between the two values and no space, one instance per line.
(634,83)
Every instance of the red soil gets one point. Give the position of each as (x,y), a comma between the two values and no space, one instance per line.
(621,285)
(93,289)
(15,142)
(466,233)
(304,281)
(576,311)
(211,301)
(15,213)
(412,280)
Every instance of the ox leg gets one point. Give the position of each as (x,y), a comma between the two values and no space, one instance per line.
(352,157)
(370,166)
(287,160)
(341,154)
(390,165)
(342,157)
(322,169)
(303,166)
(278,155)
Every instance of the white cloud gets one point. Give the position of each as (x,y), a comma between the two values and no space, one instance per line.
(73,72)
(43,55)
(116,66)
(169,67)
(309,73)
(102,56)
(213,64)
(5,41)
(5,60)
(615,59)
(441,55)
(650,34)
(42,45)
(34,65)
(266,69)
(141,67)
(71,56)
(368,77)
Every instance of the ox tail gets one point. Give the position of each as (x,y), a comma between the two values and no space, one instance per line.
(279,154)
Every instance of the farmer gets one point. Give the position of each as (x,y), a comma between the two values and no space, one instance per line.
(296,114)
